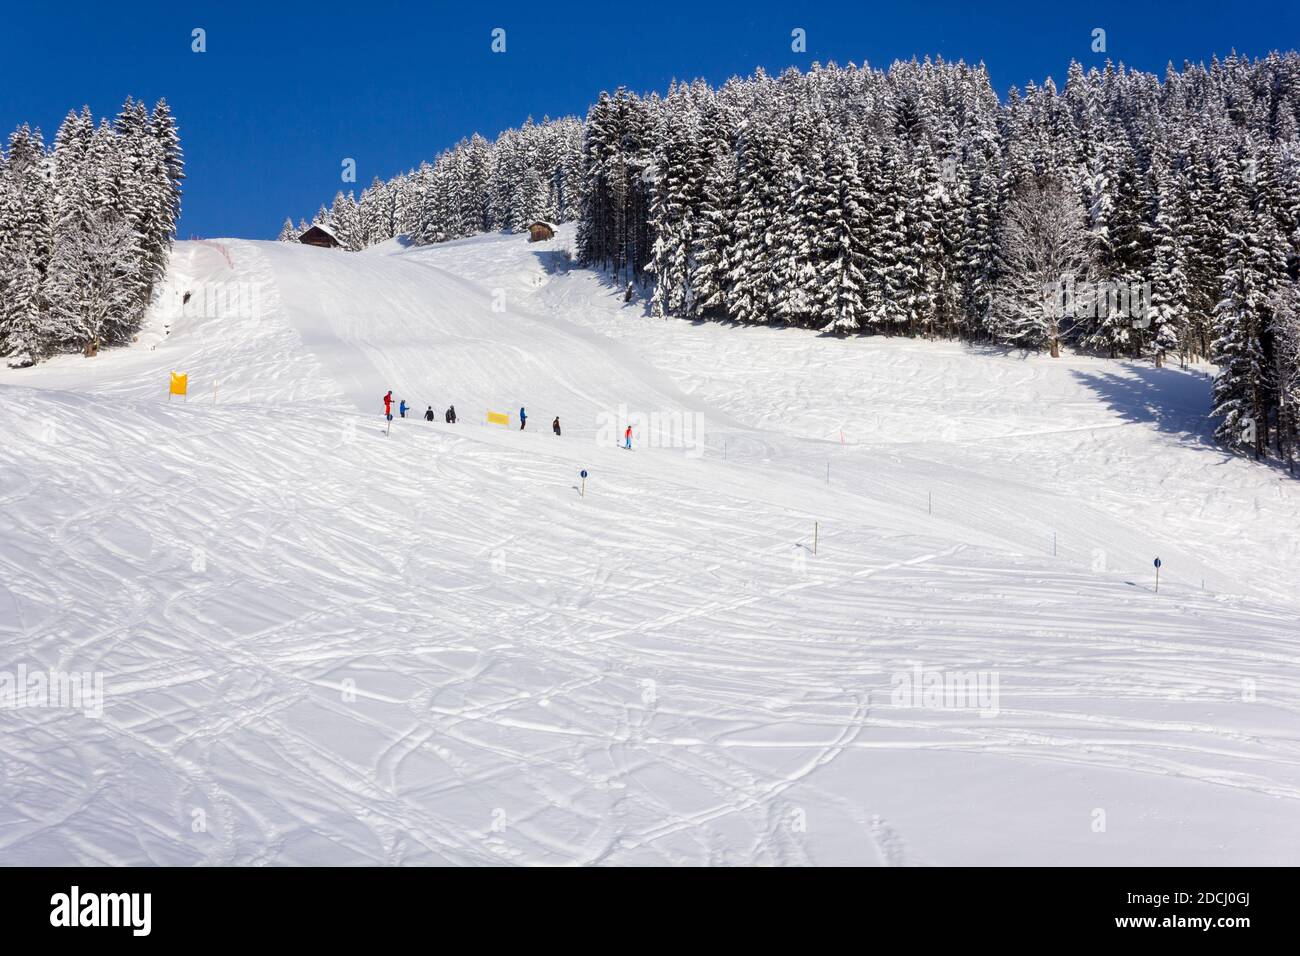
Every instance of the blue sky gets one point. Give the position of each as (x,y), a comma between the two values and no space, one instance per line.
(287,90)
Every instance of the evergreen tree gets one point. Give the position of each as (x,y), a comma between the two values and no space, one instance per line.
(714,238)
(1286,374)
(1170,293)
(85,233)
(844,249)
(1238,394)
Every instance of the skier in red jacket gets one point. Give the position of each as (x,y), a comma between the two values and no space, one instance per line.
(627,437)
(388,405)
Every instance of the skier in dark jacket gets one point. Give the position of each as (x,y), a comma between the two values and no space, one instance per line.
(429,416)
(451,415)
(523,418)
(555,425)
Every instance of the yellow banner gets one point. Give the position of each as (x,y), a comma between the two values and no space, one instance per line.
(498,418)
(179,383)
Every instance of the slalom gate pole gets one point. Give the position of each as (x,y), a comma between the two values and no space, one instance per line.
(815,529)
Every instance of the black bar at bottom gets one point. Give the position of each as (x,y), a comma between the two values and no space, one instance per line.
(617,907)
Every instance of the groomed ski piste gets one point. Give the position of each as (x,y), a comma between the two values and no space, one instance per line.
(321,643)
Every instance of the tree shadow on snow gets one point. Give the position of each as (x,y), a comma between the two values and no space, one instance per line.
(1000,350)
(554,261)
(560,261)
(1176,401)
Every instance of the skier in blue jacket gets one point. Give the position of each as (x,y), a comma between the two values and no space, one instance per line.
(523,418)
(401,409)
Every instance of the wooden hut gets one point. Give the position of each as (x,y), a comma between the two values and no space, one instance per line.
(540,231)
(321,237)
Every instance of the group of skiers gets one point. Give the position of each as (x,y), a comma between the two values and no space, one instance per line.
(450,415)
(523,421)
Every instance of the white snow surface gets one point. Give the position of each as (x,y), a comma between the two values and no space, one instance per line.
(325,644)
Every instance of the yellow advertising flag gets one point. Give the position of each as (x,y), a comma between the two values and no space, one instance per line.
(498,418)
(180,383)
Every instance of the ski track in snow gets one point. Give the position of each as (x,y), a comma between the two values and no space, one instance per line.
(322,644)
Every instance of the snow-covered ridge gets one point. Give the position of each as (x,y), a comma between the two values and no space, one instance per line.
(324,644)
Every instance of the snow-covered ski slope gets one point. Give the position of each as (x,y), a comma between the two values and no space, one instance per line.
(324,644)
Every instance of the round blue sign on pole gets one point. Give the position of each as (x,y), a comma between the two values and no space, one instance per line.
(583,473)
(1157,562)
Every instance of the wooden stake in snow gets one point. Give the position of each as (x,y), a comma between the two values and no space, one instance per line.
(1157,575)
(582,491)
(814,537)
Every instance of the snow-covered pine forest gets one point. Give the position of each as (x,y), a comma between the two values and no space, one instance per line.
(85,230)
(536,172)
(910,202)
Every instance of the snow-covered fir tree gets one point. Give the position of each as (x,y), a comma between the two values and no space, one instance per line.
(1286,369)
(85,230)
(1238,351)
